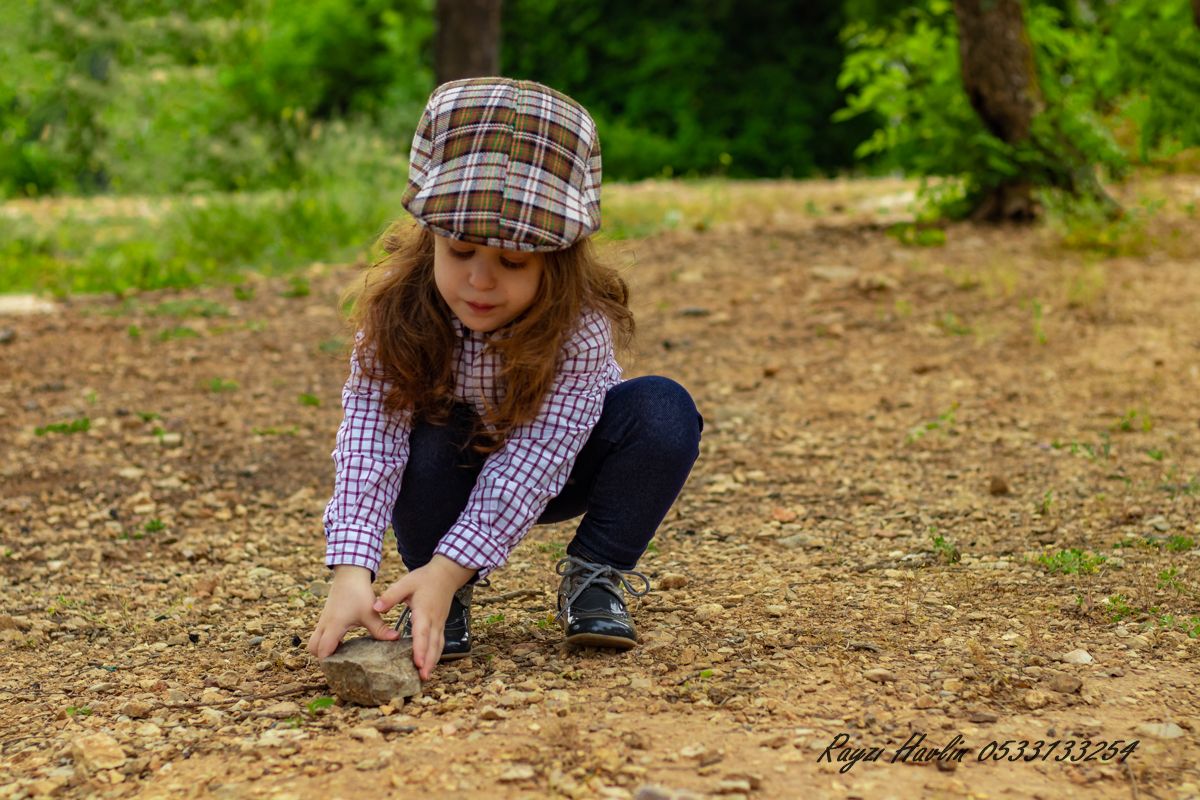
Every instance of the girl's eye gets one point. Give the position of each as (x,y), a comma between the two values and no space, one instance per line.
(512,264)
(463,254)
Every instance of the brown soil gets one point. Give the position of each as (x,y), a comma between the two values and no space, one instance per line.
(861,397)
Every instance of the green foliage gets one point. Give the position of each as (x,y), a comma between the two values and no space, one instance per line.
(693,86)
(153,97)
(907,79)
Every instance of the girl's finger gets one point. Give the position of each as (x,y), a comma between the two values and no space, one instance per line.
(420,630)
(315,640)
(380,629)
(433,652)
(395,593)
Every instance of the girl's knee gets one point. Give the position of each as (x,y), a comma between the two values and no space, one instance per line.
(669,415)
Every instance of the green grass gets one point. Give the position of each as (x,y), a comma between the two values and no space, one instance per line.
(307,399)
(944,423)
(178,332)
(273,430)
(220,385)
(188,308)
(1070,562)
(947,552)
(81,425)
(214,239)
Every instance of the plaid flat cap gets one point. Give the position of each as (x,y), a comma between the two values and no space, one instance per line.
(505,163)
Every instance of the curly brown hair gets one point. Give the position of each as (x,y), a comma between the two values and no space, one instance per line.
(405,324)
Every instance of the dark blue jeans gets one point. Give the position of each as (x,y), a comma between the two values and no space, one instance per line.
(623,483)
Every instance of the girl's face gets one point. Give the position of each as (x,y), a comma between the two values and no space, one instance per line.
(485,287)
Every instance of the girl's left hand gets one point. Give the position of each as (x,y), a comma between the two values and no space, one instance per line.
(427,590)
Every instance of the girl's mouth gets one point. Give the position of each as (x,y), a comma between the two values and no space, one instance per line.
(480,308)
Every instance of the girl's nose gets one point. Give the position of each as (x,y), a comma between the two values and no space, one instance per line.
(480,275)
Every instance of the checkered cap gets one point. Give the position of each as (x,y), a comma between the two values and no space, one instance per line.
(505,163)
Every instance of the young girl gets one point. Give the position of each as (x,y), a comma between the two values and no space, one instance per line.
(484,396)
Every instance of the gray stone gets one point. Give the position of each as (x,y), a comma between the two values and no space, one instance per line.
(372,672)
(1078,657)
(1160,730)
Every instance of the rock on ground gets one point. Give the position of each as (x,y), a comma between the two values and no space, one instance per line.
(370,672)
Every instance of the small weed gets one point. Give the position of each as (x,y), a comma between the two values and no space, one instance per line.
(914,235)
(297,287)
(1169,579)
(148,416)
(181,309)
(1155,454)
(652,548)
(79,711)
(556,549)
(1118,607)
(90,397)
(332,346)
(319,704)
(154,526)
(492,619)
(1092,452)
(243,293)
(811,209)
(134,331)
(219,385)
(1175,486)
(1039,327)
(81,425)
(307,399)
(1180,544)
(290,430)
(178,332)
(1129,422)
(1047,503)
(944,423)
(1070,562)
(546,622)
(705,674)
(946,550)
(950,324)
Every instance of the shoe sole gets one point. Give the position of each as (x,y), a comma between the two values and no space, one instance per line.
(453,656)
(600,640)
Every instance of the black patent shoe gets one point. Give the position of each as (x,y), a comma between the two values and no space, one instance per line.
(591,604)
(458,625)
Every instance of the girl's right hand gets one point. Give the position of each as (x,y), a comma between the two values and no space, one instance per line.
(349,605)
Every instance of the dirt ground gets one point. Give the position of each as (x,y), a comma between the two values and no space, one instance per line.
(928,474)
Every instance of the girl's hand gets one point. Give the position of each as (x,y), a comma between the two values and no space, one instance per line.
(348,606)
(427,590)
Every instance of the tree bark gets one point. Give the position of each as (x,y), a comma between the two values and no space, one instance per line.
(1196,12)
(468,39)
(1001,82)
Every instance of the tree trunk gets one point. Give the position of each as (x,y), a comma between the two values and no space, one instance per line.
(468,39)
(1196,12)
(1001,81)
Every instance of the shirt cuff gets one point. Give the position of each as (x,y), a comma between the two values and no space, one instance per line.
(357,548)
(468,546)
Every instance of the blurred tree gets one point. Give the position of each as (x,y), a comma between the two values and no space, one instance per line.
(1001,81)
(468,39)
(1000,77)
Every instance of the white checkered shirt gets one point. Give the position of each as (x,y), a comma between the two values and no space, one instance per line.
(516,482)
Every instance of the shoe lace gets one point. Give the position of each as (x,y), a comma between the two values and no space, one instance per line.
(587,573)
